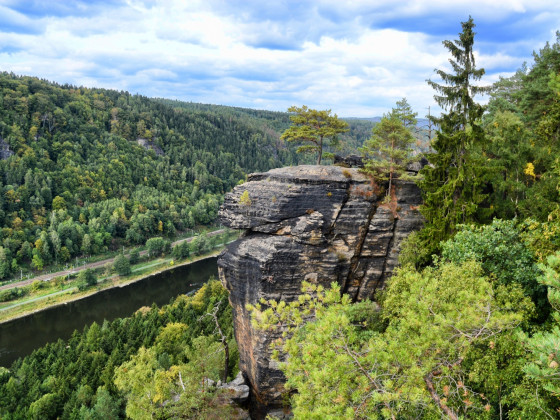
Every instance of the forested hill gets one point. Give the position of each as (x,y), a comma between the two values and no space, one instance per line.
(359,129)
(84,170)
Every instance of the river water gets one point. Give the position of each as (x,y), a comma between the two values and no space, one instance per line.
(21,336)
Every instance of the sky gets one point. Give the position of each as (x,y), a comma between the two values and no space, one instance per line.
(356,58)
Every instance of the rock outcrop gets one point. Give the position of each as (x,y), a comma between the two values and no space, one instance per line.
(314,223)
(5,151)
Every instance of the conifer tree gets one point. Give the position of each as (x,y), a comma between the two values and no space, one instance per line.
(452,185)
(314,127)
(403,111)
(388,151)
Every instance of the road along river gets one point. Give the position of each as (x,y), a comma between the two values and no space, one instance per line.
(19,337)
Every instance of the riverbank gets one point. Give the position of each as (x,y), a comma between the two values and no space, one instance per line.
(63,297)
(98,262)
(20,336)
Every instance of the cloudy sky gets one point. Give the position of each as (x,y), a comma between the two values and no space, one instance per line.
(355,57)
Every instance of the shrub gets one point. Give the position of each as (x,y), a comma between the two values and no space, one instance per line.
(121,265)
(181,250)
(86,279)
(245,200)
(134,256)
(157,246)
(503,256)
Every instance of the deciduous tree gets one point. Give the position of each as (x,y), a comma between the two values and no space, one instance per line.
(122,265)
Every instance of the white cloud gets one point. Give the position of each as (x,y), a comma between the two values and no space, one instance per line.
(356,58)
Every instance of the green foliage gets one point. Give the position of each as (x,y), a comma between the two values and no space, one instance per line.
(134,256)
(544,346)
(315,127)
(412,368)
(244,199)
(200,245)
(413,252)
(86,278)
(523,126)
(84,178)
(181,250)
(74,378)
(508,151)
(121,265)
(453,184)
(104,407)
(12,294)
(43,408)
(404,113)
(387,153)
(157,246)
(503,256)
(135,379)
(497,369)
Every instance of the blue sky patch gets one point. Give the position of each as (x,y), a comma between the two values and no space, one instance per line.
(356,58)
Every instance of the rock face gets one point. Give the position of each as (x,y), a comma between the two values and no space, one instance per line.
(5,151)
(314,223)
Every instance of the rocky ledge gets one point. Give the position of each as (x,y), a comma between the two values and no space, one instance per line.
(314,223)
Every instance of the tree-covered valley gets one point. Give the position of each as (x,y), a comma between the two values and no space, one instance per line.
(88,170)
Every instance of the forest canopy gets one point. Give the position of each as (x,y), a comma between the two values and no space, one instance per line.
(83,171)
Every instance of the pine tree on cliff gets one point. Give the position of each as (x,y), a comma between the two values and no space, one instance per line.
(388,152)
(403,111)
(453,184)
(313,127)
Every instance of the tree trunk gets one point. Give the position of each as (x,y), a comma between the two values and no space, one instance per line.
(320,151)
(226,360)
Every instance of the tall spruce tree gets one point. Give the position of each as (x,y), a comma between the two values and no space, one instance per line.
(452,185)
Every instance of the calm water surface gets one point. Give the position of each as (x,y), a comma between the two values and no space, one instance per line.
(21,336)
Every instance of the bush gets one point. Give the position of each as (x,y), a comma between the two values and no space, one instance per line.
(12,294)
(245,199)
(59,281)
(37,285)
(134,256)
(181,250)
(200,245)
(121,265)
(157,246)
(503,256)
(86,279)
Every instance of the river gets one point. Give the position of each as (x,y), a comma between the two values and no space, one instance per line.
(21,336)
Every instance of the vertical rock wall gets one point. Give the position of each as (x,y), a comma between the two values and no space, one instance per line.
(314,223)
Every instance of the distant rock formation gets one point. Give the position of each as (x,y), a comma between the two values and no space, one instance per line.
(149,144)
(314,223)
(352,161)
(5,151)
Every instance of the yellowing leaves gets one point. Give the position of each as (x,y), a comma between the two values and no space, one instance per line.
(530,170)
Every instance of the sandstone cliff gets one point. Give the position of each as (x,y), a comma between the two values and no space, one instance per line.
(315,223)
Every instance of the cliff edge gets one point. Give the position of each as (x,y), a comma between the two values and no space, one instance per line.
(314,223)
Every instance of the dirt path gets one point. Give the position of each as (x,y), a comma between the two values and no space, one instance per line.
(97,264)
